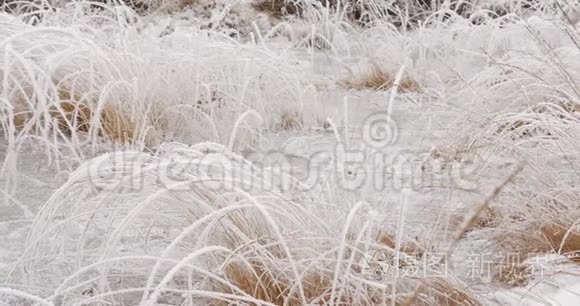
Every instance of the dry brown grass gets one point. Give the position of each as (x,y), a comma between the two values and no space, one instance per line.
(561,239)
(75,114)
(277,8)
(21,112)
(565,105)
(547,238)
(537,240)
(70,113)
(482,209)
(563,110)
(377,78)
(167,6)
(410,248)
(355,12)
(438,291)
(263,284)
(512,272)
(272,281)
(489,217)
(290,120)
(177,5)
(260,283)
(444,293)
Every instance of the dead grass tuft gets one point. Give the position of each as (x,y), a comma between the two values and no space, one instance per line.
(560,108)
(547,238)
(270,281)
(379,79)
(564,111)
(560,239)
(484,208)
(290,120)
(277,8)
(274,287)
(257,282)
(526,244)
(445,293)
(261,283)
(512,272)
(168,6)
(410,248)
(71,113)
(75,114)
(22,113)
(489,217)
(438,291)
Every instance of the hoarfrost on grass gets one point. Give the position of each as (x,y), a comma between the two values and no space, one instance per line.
(199,151)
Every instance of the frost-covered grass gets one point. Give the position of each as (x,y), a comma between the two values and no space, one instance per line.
(209,153)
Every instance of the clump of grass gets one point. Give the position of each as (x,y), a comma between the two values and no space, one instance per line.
(536,237)
(277,8)
(410,248)
(562,108)
(273,287)
(445,293)
(489,217)
(511,270)
(542,119)
(512,273)
(519,241)
(290,120)
(70,113)
(438,291)
(232,246)
(149,6)
(550,238)
(140,6)
(562,239)
(376,78)
(359,13)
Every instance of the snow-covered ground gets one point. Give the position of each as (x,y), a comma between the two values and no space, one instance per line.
(209,152)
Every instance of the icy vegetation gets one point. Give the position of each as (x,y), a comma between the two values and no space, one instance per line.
(308,152)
